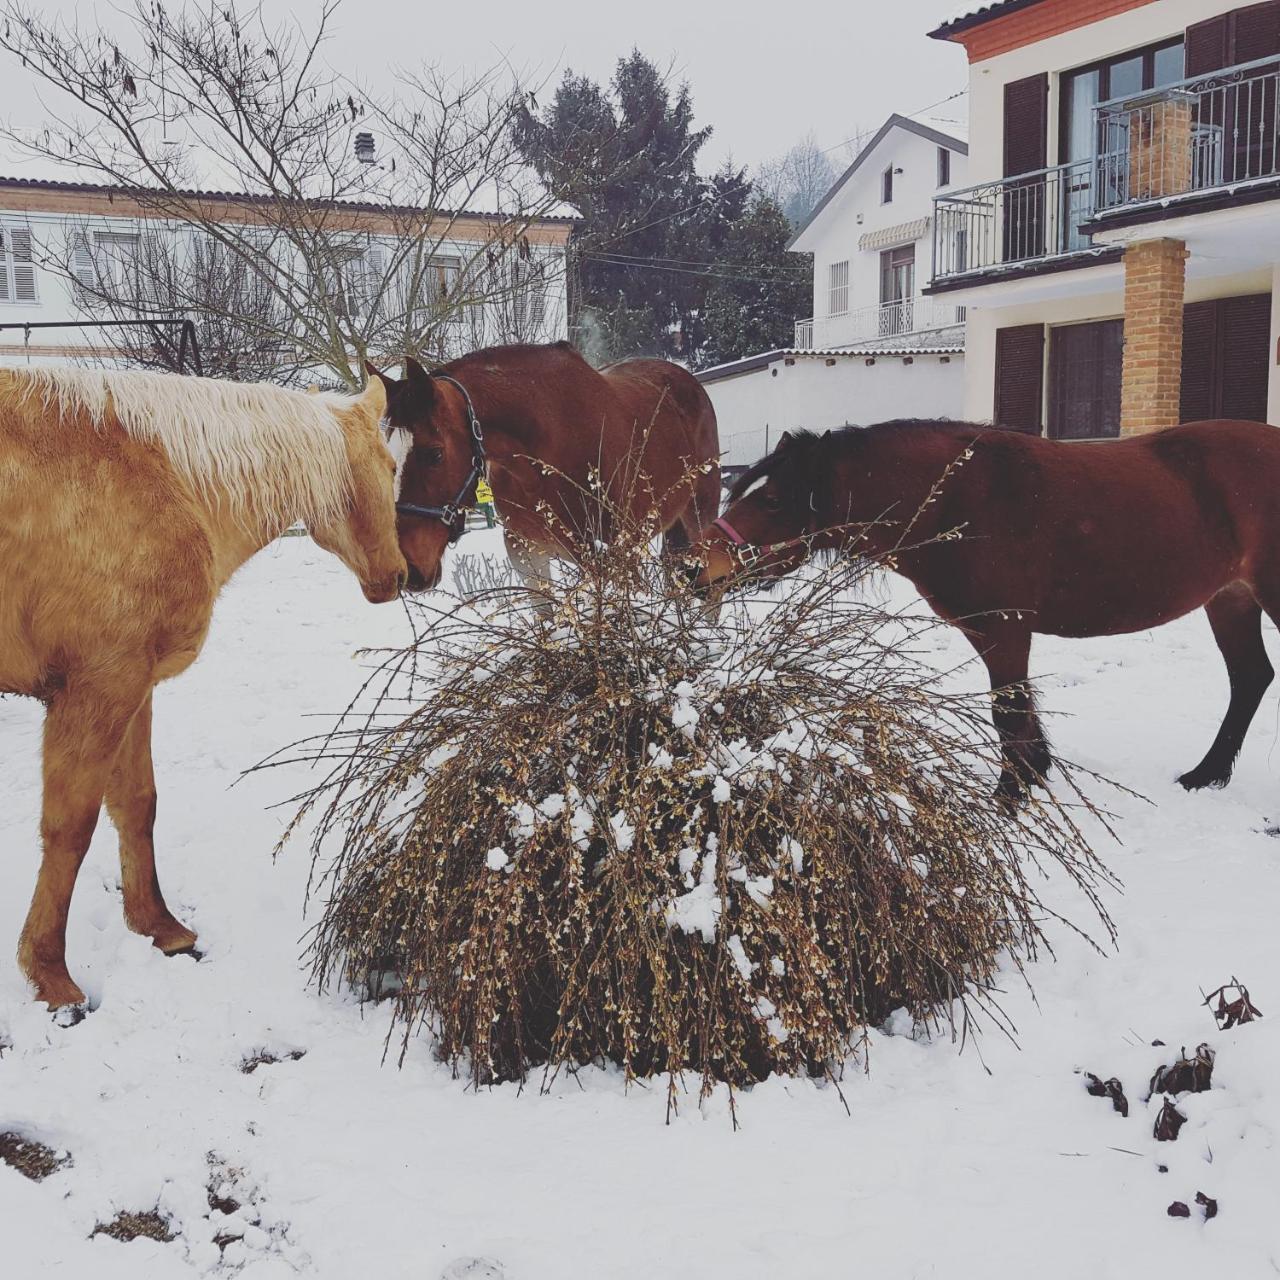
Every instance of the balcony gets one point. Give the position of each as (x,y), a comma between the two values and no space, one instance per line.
(908,323)
(1014,224)
(1215,135)
(1187,140)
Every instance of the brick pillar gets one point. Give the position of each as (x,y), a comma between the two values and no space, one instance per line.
(1154,278)
(1160,147)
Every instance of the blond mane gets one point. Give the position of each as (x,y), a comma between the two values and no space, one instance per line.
(272,454)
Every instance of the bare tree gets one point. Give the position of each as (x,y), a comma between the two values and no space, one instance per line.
(255,199)
(797,179)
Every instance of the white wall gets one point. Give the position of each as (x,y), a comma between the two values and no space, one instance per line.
(753,409)
(56,301)
(1147,24)
(835,234)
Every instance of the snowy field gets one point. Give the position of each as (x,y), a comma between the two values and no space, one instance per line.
(992,1163)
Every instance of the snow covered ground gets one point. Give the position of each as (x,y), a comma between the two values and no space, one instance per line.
(992,1163)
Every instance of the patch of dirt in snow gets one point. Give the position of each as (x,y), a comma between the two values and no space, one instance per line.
(126,1226)
(30,1158)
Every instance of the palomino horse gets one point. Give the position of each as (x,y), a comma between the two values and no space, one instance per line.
(126,502)
(542,421)
(1054,538)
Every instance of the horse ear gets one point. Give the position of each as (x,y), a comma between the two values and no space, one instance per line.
(374,397)
(785,441)
(389,385)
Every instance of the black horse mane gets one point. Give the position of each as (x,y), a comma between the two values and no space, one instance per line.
(799,445)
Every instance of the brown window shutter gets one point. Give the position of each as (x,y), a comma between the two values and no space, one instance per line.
(1244,35)
(1244,347)
(1256,32)
(1226,349)
(1085,369)
(1209,45)
(1199,361)
(1020,377)
(1026,125)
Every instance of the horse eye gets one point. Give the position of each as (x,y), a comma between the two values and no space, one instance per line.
(771,501)
(431,456)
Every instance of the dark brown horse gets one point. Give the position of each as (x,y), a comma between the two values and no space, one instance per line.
(543,422)
(1055,538)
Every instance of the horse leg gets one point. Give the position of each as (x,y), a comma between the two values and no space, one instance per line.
(1005,648)
(131,802)
(83,730)
(1236,619)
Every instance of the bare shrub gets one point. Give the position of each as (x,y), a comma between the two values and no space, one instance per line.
(626,833)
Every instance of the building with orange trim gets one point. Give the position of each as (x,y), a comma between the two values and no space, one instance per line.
(57,238)
(1117,247)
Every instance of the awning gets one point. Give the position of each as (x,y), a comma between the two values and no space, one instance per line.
(903,233)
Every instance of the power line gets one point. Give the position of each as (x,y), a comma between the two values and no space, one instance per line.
(951,97)
(623,259)
(689,271)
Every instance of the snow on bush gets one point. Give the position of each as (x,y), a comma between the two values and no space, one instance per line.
(621,832)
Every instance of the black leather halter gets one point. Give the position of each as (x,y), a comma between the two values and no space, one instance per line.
(453,514)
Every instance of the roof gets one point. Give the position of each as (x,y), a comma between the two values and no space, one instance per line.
(972,15)
(243,198)
(765,358)
(949,140)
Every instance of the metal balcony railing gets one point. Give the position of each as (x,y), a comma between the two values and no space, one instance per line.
(1201,133)
(1013,220)
(906,320)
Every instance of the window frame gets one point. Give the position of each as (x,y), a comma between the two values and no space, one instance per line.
(886,185)
(10,262)
(834,288)
(1103,67)
(944,166)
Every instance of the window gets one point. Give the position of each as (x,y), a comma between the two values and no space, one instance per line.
(1130,73)
(528,294)
(886,186)
(897,290)
(106,265)
(944,167)
(1020,378)
(1226,346)
(1085,363)
(17,266)
(838,288)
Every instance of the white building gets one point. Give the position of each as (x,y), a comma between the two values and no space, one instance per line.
(64,244)
(1119,255)
(874,347)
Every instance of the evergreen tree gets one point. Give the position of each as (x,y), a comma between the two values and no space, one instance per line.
(626,160)
(669,262)
(759,290)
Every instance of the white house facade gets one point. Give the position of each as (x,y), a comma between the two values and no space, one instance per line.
(63,244)
(1117,247)
(872,245)
(874,347)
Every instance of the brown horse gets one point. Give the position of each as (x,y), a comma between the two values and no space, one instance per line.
(126,502)
(1053,538)
(542,421)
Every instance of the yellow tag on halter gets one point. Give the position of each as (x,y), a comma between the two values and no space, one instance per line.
(483,492)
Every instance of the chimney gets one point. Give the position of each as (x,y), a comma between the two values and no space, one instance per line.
(365,150)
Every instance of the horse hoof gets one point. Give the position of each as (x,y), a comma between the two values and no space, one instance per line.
(175,940)
(70,1015)
(1197,780)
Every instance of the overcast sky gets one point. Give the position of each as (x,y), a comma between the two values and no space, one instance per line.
(762,74)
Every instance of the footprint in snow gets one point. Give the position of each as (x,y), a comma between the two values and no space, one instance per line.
(473,1269)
